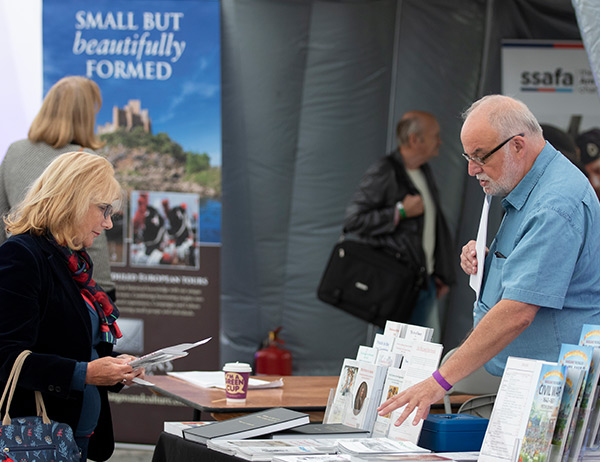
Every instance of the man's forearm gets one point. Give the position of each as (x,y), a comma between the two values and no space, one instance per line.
(496,330)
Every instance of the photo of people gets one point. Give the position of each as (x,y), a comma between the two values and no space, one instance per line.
(164,229)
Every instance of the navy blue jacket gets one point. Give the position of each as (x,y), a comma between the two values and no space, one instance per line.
(42,310)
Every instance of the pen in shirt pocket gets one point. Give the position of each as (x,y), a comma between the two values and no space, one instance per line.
(499,254)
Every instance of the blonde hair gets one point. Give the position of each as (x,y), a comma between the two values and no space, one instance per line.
(68,114)
(60,198)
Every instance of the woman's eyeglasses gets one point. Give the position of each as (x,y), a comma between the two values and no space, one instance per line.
(107,210)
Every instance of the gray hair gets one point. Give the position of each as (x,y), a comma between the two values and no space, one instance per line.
(408,126)
(508,116)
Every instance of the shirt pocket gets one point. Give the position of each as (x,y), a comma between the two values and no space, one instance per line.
(493,287)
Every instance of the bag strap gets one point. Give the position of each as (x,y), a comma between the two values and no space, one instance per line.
(401,177)
(401,174)
(40,407)
(11,384)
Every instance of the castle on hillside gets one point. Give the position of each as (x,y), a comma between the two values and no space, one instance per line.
(131,116)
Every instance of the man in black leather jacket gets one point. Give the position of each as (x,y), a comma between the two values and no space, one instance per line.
(400,207)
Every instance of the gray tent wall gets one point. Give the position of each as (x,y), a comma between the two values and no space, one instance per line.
(311,94)
(588,15)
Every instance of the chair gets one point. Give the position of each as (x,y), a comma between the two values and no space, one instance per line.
(480,383)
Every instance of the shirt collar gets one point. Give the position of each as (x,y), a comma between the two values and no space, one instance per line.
(518,196)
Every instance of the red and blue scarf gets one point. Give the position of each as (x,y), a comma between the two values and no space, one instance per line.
(81,266)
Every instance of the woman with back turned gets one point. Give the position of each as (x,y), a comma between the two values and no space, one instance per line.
(65,123)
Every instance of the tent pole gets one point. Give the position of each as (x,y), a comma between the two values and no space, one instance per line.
(486,49)
(391,140)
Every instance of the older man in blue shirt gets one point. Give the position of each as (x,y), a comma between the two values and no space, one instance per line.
(541,278)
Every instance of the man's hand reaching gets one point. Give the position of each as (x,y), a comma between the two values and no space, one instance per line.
(420,396)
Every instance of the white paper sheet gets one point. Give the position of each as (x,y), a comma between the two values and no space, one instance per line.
(476,279)
(165,354)
(216,379)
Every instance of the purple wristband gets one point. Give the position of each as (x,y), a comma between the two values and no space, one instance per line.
(441,380)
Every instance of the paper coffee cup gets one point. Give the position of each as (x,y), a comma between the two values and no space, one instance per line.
(237,376)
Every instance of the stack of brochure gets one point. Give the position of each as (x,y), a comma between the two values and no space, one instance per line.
(399,358)
(371,446)
(553,409)
(267,449)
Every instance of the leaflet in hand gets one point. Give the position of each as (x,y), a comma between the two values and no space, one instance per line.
(165,354)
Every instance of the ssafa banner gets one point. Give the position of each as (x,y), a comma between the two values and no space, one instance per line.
(157,64)
(555,80)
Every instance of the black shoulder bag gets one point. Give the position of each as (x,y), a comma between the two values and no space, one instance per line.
(373,283)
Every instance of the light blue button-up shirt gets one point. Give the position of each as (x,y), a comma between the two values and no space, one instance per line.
(546,253)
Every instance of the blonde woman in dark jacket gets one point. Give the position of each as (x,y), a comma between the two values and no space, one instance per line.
(50,303)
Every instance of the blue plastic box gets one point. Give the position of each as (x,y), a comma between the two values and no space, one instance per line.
(453,432)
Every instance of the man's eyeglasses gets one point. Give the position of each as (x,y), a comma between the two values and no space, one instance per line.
(107,210)
(481,160)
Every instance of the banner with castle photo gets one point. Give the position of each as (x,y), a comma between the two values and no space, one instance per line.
(157,64)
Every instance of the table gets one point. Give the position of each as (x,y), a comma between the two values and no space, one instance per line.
(171,448)
(301,393)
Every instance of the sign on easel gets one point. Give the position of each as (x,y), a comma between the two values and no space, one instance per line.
(555,80)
